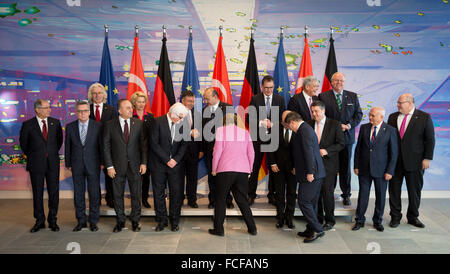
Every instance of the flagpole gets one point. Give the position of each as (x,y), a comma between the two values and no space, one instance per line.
(190,31)
(306,31)
(164,31)
(331,32)
(281,31)
(106,30)
(136,31)
(220,30)
(252,31)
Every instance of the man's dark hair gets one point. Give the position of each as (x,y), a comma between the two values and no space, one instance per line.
(80,103)
(318,103)
(267,78)
(120,102)
(186,93)
(293,117)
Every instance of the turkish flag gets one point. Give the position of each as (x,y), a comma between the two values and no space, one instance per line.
(305,68)
(220,80)
(136,79)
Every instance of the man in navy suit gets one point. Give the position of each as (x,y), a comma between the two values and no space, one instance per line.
(83,156)
(375,158)
(309,172)
(343,105)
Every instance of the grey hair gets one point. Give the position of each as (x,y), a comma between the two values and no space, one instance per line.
(308,80)
(177,109)
(381,109)
(38,103)
(94,85)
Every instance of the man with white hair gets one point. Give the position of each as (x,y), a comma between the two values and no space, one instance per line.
(301,102)
(169,145)
(375,158)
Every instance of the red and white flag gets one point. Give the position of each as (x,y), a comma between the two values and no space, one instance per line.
(220,80)
(305,68)
(136,78)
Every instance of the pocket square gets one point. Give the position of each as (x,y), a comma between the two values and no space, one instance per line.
(349,104)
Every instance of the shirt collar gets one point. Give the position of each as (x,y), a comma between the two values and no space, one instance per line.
(306,96)
(214,107)
(81,123)
(336,93)
(270,96)
(123,120)
(412,111)
(40,120)
(322,122)
(100,105)
(378,126)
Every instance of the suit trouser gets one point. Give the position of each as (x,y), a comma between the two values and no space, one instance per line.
(191,173)
(253,181)
(308,197)
(326,199)
(345,174)
(365,182)
(109,193)
(414,184)
(79,189)
(145,185)
(238,183)
(135,185)
(212,181)
(37,183)
(285,190)
(174,179)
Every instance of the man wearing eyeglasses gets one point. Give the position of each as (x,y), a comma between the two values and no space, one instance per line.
(343,105)
(41,138)
(416,146)
(83,156)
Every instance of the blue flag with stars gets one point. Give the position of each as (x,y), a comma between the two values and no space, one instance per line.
(107,76)
(280,75)
(190,76)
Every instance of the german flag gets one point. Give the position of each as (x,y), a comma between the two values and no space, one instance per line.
(331,67)
(164,96)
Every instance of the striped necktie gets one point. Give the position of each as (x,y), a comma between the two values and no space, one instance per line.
(83,134)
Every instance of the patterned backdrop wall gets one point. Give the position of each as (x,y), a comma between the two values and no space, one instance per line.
(52,50)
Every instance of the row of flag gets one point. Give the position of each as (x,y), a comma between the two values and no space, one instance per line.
(164,95)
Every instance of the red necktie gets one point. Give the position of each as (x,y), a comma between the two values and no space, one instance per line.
(97,114)
(44,130)
(126,132)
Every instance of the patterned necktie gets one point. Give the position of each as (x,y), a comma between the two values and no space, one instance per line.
(318,132)
(403,126)
(268,107)
(97,113)
(44,130)
(374,134)
(83,134)
(338,99)
(126,132)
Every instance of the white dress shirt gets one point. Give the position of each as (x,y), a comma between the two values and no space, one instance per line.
(378,130)
(307,97)
(122,124)
(42,124)
(214,107)
(408,119)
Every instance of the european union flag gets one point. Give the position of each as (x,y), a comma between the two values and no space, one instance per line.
(190,76)
(280,75)
(107,76)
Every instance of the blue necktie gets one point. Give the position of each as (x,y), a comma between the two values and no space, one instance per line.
(374,133)
(83,134)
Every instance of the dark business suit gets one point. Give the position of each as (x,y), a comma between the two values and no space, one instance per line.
(148,122)
(126,159)
(298,104)
(350,113)
(43,163)
(284,180)
(108,113)
(207,146)
(373,160)
(417,144)
(307,160)
(332,140)
(258,101)
(191,164)
(84,161)
(163,149)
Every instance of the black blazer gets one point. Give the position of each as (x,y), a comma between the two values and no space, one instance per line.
(162,148)
(418,141)
(83,158)
(194,146)
(149,119)
(108,113)
(207,146)
(35,147)
(350,113)
(380,158)
(258,101)
(298,104)
(117,153)
(282,156)
(306,154)
(332,139)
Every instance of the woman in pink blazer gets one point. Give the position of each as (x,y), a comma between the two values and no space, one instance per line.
(233,158)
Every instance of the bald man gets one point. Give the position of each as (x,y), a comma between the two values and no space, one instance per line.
(375,158)
(416,147)
(343,105)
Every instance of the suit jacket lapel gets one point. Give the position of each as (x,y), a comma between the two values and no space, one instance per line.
(412,122)
(381,132)
(38,128)
(88,133)
(119,130)
(333,99)
(77,133)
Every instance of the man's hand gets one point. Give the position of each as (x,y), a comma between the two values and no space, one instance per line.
(425,164)
(195,133)
(344,127)
(172,163)
(266,123)
(310,177)
(213,173)
(112,172)
(356,171)
(275,168)
(200,155)
(387,176)
(142,169)
(323,152)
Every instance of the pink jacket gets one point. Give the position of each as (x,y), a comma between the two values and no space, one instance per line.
(233,150)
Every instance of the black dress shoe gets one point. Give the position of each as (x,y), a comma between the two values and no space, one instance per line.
(307,233)
(290,224)
(79,227)
(54,227)
(146,204)
(136,226)
(394,223)
(379,227)
(280,223)
(416,223)
(174,228)
(314,237)
(110,204)
(210,205)
(214,232)
(328,226)
(252,232)
(93,227)
(347,201)
(230,205)
(358,226)
(193,204)
(251,201)
(160,227)
(37,227)
(119,227)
